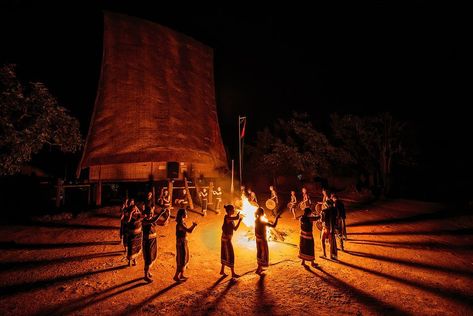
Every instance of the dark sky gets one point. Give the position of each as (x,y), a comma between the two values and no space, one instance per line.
(413,60)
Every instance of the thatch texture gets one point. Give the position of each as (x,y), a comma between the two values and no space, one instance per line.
(155,100)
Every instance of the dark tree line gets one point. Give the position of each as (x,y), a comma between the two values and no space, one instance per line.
(30,119)
(368,146)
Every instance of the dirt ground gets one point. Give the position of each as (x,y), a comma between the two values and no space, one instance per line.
(402,257)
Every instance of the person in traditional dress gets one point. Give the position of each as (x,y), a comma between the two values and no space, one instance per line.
(262,249)
(242,192)
(306,202)
(204,198)
(341,216)
(166,200)
(329,221)
(274,197)
(293,203)
(182,248)
(182,201)
(135,235)
(150,237)
(218,198)
(123,216)
(252,197)
(306,241)
(227,256)
(149,200)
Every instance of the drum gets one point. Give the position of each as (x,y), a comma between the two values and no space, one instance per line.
(270,204)
(302,205)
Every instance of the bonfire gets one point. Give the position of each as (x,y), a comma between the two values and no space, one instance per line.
(248,209)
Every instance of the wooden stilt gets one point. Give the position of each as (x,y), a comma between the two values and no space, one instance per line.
(189,196)
(98,194)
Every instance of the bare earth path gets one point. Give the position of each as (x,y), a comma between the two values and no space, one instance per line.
(403,257)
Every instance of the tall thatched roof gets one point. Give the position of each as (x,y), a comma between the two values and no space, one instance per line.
(155,100)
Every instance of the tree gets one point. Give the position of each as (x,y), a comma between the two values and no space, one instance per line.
(375,143)
(295,147)
(30,118)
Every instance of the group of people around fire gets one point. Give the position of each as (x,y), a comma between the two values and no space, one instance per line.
(139,221)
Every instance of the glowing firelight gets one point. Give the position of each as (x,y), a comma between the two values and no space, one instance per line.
(248,211)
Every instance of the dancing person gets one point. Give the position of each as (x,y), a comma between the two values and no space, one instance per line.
(262,250)
(252,197)
(227,255)
(150,237)
(329,218)
(204,197)
(218,197)
(123,217)
(306,202)
(182,248)
(242,192)
(292,204)
(274,197)
(182,202)
(135,234)
(341,216)
(306,241)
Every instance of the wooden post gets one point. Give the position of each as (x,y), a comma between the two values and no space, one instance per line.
(88,195)
(59,192)
(170,183)
(98,194)
(189,196)
(154,194)
(211,190)
(98,191)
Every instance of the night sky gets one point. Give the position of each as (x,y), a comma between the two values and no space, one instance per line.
(413,60)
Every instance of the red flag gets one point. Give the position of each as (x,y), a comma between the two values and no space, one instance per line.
(242,121)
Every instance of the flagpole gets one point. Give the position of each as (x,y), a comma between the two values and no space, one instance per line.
(233,171)
(239,148)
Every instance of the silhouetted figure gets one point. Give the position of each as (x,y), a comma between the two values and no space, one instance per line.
(182,202)
(135,234)
(126,210)
(150,238)
(218,198)
(182,249)
(306,202)
(204,198)
(227,256)
(123,215)
(329,221)
(262,250)
(306,242)
(242,192)
(149,202)
(341,216)
(252,197)
(292,204)
(274,197)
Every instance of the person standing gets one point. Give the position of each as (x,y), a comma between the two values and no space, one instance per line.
(182,248)
(262,249)
(274,197)
(341,216)
(204,198)
(150,238)
(329,218)
(292,204)
(134,235)
(218,198)
(306,241)
(227,255)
